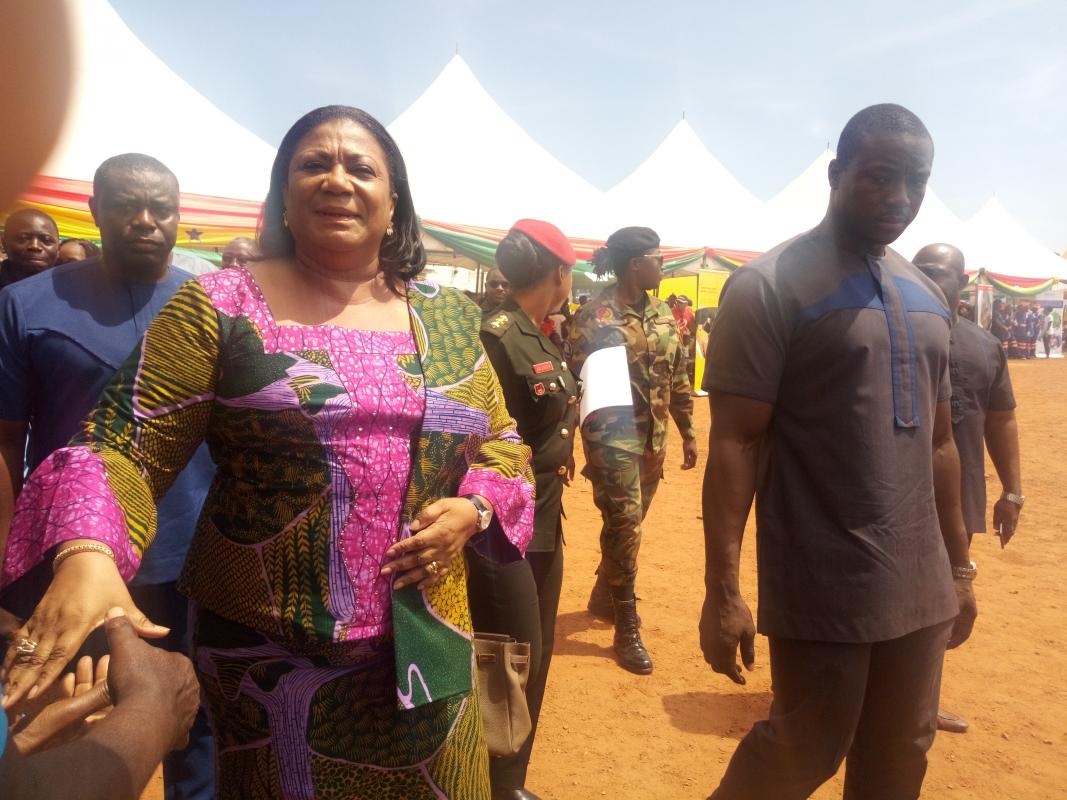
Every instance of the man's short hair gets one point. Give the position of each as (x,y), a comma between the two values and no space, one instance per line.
(881,118)
(129,162)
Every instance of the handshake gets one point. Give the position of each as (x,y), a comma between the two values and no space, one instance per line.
(101,730)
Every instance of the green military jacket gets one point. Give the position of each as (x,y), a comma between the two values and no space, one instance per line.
(658,380)
(541,394)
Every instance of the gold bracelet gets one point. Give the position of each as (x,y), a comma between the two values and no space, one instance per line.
(90,547)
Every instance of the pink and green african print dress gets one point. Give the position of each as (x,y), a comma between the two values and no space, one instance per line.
(321,680)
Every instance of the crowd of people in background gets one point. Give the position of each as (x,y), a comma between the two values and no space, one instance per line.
(1019,324)
(315,475)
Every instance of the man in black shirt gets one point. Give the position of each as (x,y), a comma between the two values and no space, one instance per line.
(828,369)
(983,414)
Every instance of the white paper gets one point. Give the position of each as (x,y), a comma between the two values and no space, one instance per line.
(605,381)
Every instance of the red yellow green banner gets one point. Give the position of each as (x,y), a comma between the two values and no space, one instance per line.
(1018,287)
(207,222)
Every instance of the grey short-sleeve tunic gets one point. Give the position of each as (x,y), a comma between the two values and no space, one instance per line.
(853,352)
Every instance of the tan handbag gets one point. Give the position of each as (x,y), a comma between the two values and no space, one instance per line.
(503,667)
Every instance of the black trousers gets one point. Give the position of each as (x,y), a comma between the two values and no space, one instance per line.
(873,706)
(519,599)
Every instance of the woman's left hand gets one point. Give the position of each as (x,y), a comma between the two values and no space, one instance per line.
(439,533)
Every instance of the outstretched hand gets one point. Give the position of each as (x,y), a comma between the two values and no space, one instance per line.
(161,683)
(64,710)
(725,627)
(84,587)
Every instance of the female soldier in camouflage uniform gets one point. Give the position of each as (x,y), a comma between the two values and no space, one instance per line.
(625,446)
(521,598)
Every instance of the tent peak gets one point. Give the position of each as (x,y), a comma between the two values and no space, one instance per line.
(455,121)
(111,65)
(698,200)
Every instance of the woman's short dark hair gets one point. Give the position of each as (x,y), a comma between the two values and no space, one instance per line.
(402,255)
(523,261)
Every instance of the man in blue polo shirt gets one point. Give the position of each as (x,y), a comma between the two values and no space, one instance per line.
(63,334)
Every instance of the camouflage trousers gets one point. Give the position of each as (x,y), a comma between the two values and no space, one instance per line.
(623,487)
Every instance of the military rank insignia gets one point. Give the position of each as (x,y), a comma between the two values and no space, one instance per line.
(539,388)
(604,314)
(500,320)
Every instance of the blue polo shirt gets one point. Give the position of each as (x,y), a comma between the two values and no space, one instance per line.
(63,334)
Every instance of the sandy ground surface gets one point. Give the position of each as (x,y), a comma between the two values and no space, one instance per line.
(607,733)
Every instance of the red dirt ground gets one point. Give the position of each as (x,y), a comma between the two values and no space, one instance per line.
(607,733)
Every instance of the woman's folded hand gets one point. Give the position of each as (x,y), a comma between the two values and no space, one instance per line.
(438,535)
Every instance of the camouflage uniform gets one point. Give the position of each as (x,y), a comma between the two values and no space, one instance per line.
(625,447)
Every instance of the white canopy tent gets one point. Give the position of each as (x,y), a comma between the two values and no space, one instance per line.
(936,224)
(797,207)
(469,162)
(687,195)
(1001,245)
(125,99)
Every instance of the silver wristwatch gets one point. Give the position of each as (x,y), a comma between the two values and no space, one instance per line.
(967,573)
(1018,499)
(485,514)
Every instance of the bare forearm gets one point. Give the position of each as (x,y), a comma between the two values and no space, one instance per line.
(947,498)
(1002,441)
(729,486)
(113,761)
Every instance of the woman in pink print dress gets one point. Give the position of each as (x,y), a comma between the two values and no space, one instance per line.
(361,440)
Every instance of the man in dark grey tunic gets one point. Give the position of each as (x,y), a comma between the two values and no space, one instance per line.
(828,372)
(983,414)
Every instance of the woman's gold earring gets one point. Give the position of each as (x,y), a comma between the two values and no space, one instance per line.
(389,231)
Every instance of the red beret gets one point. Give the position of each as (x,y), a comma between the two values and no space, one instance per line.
(549,237)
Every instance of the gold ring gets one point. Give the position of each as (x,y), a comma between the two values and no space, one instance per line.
(25,647)
(433,568)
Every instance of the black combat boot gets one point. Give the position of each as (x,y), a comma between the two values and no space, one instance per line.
(629,648)
(600,605)
(600,602)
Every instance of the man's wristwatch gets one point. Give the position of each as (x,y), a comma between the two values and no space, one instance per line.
(1018,499)
(485,514)
(966,573)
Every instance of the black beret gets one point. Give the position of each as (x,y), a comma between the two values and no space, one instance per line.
(632,241)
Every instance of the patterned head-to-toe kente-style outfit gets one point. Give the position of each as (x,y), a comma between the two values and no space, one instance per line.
(322,682)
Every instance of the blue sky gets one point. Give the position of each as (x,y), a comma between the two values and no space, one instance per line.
(599,84)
